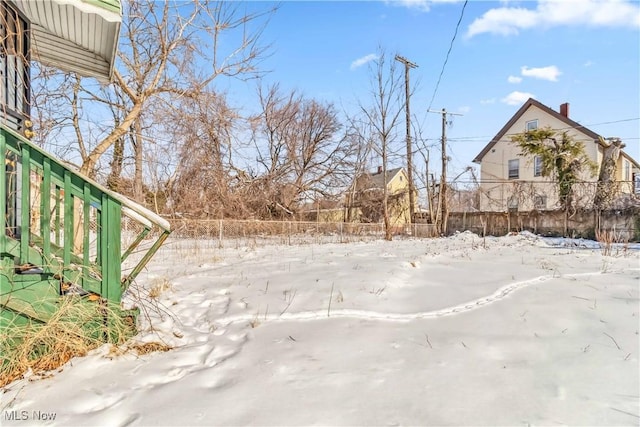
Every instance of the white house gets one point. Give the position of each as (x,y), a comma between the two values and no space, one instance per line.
(511,181)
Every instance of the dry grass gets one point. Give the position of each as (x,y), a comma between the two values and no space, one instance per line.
(610,240)
(158,287)
(76,328)
(149,347)
(138,348)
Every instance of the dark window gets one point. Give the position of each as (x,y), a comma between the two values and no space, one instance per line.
(514,169)
(14,66)
(540,202)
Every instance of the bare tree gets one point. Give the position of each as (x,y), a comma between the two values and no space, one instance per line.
(270,128)
(427,179)
(168,48)
(383,115)
(301,152)
(201,127)
(360,135)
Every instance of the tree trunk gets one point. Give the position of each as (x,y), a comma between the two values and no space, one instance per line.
(89,164)
(113,180)
(606,187)
(138,189)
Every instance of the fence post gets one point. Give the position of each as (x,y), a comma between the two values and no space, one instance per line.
(220,231)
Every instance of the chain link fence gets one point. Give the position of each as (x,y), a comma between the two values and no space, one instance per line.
(251,233)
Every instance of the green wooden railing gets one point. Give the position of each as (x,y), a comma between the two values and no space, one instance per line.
(64,230)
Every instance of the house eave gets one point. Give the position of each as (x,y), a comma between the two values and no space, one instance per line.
(78,36)
(633,161)
(529,103)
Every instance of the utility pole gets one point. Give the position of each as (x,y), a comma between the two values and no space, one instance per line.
(443,211)
(407,65)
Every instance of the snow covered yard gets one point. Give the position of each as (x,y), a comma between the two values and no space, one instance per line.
(514,330)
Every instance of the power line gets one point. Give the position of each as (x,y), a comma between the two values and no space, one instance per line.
(484,137)
(420,141)
(446,59)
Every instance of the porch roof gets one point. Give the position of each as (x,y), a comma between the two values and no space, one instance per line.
(75,35)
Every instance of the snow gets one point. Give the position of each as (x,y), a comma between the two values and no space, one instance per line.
(511,330)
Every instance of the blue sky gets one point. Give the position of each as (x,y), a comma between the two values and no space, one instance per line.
(583,52)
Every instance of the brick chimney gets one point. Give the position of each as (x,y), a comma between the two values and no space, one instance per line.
(564,109)
(379,169)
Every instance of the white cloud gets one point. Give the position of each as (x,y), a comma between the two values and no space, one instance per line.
(464,109)
(361,61)
(550,13)
(504,21)
(514,79)
(589,63)
(421,5)
(550,73)
(517,98)
(488,101)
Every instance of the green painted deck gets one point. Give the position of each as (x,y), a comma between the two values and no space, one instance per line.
(63,235)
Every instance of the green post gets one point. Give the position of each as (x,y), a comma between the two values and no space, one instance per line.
(111,269)
(56,225)
(68,220)
(99,239)
(3,189)
(45,215)
(25,205)
(85,230)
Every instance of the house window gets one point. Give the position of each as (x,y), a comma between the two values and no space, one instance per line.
(636,181)
(627,171)
(540,202)
(537,166)
(14,66)
(514,169)
(512,204)
(532,125)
